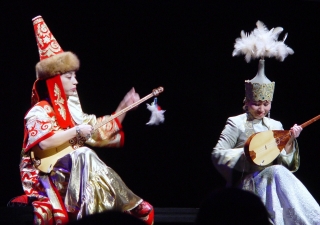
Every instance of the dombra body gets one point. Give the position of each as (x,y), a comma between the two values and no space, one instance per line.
(44,160)
(264,147)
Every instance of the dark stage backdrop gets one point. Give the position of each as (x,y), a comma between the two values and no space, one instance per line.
(184,46)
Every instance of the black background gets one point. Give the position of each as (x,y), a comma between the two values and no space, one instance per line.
(184,46)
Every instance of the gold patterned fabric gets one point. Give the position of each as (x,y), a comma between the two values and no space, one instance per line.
(260,88)
(93,187)
(259,92)
(109,134)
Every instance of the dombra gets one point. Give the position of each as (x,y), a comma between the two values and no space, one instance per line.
(264,147)
(44,160)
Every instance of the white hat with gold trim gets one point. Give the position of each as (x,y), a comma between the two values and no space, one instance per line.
(259,44)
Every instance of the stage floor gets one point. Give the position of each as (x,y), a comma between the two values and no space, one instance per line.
(177,216)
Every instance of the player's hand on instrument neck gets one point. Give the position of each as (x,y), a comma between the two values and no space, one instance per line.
(130,98)
(294,132)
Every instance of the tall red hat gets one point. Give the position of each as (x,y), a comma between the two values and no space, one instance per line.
(53,62)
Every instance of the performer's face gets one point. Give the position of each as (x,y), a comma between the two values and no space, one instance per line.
(258,109)
(69,83)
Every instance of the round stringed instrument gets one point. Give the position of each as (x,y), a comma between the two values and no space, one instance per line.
(264,147)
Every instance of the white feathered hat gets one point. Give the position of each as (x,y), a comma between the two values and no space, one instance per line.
(261,43)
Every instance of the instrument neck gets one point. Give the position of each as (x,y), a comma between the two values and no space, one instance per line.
(122,111)
(310,121)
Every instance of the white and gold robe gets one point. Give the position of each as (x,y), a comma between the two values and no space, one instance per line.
(285,197)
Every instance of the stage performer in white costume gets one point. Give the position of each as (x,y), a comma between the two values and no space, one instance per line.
(285,197)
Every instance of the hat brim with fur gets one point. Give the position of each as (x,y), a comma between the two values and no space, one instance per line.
(57,64)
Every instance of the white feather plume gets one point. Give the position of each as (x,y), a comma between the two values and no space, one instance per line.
(245,45)
(261,43)
(156,114)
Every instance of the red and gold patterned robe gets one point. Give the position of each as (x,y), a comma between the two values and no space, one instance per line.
(80,183)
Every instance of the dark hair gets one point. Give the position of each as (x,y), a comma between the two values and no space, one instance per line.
(42,89)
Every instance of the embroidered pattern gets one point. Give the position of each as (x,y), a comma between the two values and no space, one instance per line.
(47,108)
(37,128)
(287,205)
(77,142)
(259,92)
(48,45)
(249,130)
(59,101)
(29,177)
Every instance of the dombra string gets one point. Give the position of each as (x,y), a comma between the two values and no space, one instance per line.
(282,138)
(273,143)
(155,92)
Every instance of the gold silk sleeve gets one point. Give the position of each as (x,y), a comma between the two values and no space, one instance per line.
(108,135)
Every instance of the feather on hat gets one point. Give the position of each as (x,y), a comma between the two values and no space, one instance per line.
(261,43)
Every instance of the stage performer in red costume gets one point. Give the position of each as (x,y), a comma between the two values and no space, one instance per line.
(77,183)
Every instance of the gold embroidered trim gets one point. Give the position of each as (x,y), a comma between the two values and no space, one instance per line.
(59,101)
(44,36)
(249,128)
(259,92)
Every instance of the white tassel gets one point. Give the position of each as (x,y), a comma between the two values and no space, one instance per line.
(156,114)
